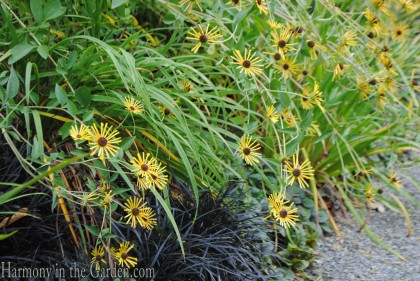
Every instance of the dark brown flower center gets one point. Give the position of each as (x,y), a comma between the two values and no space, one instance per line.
(246,151)
(341,66)
(203,38)
(374,21)
(78,136)
(415,83)
(124,256)
(283,214)
(311,44)
(296,172)
(246,64)
(98,257)
(304,98)
(132,108)
(385,49)
(235,1)
(144,167)
(282,43)
(371,35)
(372,82)
(304,72)
(102,141)
(167,111)
(259,2)
(399,32)
(154,177)
(382,95)
(285,66)
(299,29)
(277,56)
(135,211)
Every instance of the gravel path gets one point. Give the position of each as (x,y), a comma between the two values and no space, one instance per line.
(356,257)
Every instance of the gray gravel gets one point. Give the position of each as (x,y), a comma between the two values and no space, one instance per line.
(356,257)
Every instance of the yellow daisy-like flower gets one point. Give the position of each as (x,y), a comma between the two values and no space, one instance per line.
(305,99)
(315,48)
(203,36)
(166,112)
(262,6)
(272,114)
(373,23)
(79,134)
(250,64)
(289,118)
(143,164)
(104,142)
(98,256)
(370,194)
(364,88)
(249,150)
(122,255)
(107,199)
(395,180)
(187,86)
(299,172)
(339,70)
(138,212)
(313,129)
(400,31)
(273,24)
(349,40)
(285,214)
(157,177)
(133,106)
(281,40)
(236,3)
(190,4)
(381,97)
(408,5)
(287,67)
(275,58)
(310,97)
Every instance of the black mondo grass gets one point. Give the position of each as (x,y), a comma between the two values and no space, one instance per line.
(225,242)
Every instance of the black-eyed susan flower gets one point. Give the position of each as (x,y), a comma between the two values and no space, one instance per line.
(381,97)
(299,172)
(349,40)
(157,177)
(250,63)
(79,133)
(202,36)
(381,5)
(235,3)
(187,86)
(249,150)
(262,6)
(314,48)
(190,4)
(98,256)
(107,199)
(373,24)
(313,129)
(305,98)
(104,141)
(287,116)
(272,114)
(339,70)
(274,57)
(408,5)
(281,40)
(287,67)
(364,88)
(370,194)
(133,106)
(166,112)
(143,164)
(303,74)
(394,180)
(122,255)
(138,213)
(274,24)
(400,31)
(281,211)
